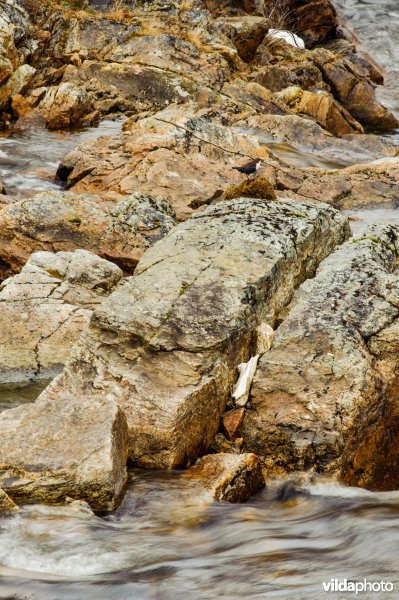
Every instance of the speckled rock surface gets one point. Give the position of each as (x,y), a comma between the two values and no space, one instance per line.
(44,308)
(167,342)
(325,395)
(54,449)
(64,221)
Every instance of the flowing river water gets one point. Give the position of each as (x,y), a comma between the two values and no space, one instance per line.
(165,542)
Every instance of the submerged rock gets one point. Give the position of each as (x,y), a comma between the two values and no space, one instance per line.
(64,221)
(325,395)
(228,477)
(56,449)
(44,308)
(167,342)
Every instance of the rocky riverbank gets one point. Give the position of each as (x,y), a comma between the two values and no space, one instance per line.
(153,271)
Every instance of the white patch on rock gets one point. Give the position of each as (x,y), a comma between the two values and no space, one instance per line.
(247,373)
(287,36)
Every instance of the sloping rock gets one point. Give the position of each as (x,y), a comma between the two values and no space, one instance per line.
(309,137)
(167,342)
(64,221)
(325,395)
(168,52)
(6,504)
(114,87)
(180,156)
(355,92)
(14,25)
(44,309)
(54,449)
(322,108)
(228,477)
(359,186)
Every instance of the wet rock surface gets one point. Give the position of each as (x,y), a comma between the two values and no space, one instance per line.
(169,355)
(228,477)
(44,308)
(324,396)
(53,449)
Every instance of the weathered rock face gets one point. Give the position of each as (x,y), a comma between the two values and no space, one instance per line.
(360,186)
(140,65)
(315,20)
(14,76)
(349,82)
(228,477)
(183,157)
(323,109)
(63,221)
(246,32)
(6,504)
(167,342)
(307,136)
(325,395)
(44,309)
(353,90)
(53,449)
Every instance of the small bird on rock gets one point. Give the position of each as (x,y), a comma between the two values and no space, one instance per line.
(250,167)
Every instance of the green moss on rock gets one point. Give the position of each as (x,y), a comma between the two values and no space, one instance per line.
(252,188)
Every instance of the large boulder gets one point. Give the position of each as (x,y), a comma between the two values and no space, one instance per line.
(64,221)
(52,450)
(66,105)
(325,396)
(44,308)
(181,156)
(167,342)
